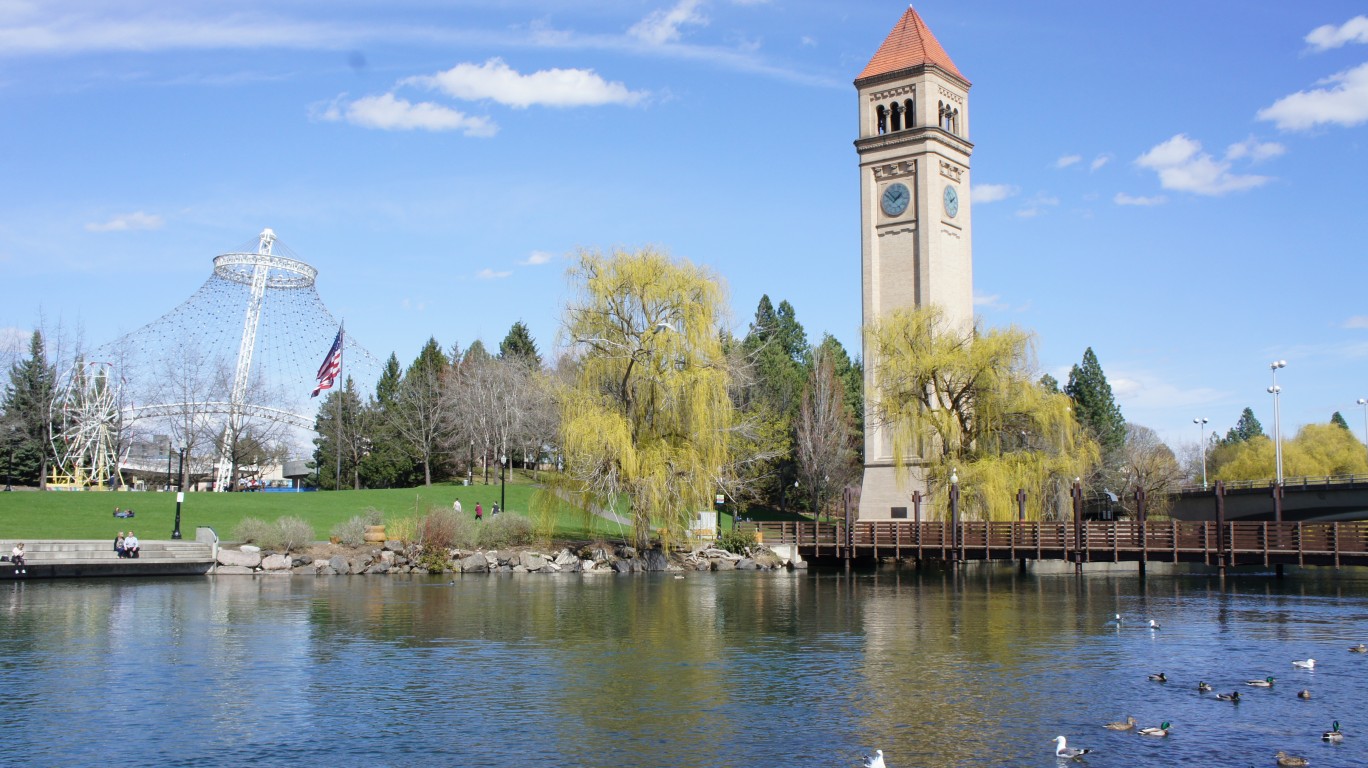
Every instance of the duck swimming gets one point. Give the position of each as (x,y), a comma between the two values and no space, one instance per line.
(1360,648)
(1123,726)
(1162,730)
(1291,761)
(1203,687)
(1267,682)
(1233,696)
(1333,734)
(1303,694)
(1159,678)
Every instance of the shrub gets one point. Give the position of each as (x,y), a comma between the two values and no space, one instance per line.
(294,533)
(736,541)
(351,532)
(403,529)
(253,530)
(505,530)
(438,530)
(372,516)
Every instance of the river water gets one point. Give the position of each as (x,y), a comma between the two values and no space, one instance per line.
(980,668)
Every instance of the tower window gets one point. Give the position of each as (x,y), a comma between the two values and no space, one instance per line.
(897,117)
(881,117)
(910,113)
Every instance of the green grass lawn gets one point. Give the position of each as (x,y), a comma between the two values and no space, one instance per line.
(89,514)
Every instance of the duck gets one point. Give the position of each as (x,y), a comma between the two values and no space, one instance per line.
(1267,682)
(1333,734)
(1360,648)
(1233,697)
(875,760)
(1291,761)
(1162,730)
(1303,694)
(1159,678)
(1062,749)
(1122,726)
(1204,687)
(1308,664)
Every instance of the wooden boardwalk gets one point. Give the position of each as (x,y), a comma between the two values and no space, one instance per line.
(1223,545)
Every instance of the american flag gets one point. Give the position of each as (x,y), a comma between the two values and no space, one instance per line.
(331,367)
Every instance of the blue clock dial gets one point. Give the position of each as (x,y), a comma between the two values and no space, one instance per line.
(895,199)
(951,201)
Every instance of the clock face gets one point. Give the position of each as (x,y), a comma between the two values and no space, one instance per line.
(895,199)
(951,201)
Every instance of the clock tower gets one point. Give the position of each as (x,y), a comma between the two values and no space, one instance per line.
(914,216)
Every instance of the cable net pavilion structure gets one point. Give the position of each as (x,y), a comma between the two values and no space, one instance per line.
(236,361)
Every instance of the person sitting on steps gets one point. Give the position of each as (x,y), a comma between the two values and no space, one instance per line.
(119,545)
(130,545)
(17,557)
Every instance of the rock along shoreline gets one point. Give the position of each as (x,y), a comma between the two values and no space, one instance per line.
(396,557)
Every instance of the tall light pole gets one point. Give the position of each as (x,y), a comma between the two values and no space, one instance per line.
(470,468)
(1201,443)
(503,462)
(1276,390)
(170,454)
(180,493)
(1361,401)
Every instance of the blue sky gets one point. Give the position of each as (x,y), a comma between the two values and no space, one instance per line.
(1180,186)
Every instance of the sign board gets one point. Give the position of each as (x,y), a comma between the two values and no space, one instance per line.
(721,499)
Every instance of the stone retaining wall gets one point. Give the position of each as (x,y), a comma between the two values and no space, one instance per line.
(399,557)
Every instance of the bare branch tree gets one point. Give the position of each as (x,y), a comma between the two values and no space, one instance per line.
(824,433)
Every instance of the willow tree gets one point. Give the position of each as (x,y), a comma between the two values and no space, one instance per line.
(962,400)
(646,416)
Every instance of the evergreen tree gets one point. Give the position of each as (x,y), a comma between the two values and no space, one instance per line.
(28,413)
(476,353)
(385,463)
(1094,406)
(338,431)
(1245,429)
(1050,383)
(1338,420)
(779,376)
(419,415)
(519,343)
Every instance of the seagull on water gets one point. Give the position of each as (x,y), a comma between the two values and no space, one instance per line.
(1062,749)
(1162,730)
(1308,664)
(1267,682)
(1333,734)
(1153,624)
(1128,724)
(1115,621)
(1291,761)
(875,760)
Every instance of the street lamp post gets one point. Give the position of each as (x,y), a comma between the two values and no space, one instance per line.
(1276,390)
(1201,444)
(170,454)
(503,463)
(1361,401)
(180,493)
(470,467)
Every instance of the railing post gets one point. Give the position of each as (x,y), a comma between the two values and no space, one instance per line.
(844,537)
(1277,502)
(1144,533)
(1019,527)
(916,506)
(954,519)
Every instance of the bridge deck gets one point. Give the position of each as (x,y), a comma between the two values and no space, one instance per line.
(1171,541)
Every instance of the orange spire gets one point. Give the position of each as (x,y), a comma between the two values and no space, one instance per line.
(910,44)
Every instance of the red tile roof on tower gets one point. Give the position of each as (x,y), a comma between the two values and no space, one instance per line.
(910,44)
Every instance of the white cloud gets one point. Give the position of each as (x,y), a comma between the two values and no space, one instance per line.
(414,305)
(1100,161)
(807,41)
(991,193)
(1037,205)
(538,257)
(662,25)
(1330,36)
(1183,166)
(390,113)
(991,301)
(1254,149)
(499,82)
(127,223)
(1124,199)
(1344,102)
(489,274)
(1068,160)
(1357,321)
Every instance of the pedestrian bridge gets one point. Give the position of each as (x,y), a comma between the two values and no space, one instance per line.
(1303,499)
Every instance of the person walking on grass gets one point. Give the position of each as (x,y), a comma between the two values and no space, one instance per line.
(456,505)
(479,512)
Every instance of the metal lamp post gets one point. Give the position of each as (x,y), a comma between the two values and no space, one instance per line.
(180,493)
(1201,444)
(470,467)
(1276,390)
(503,463)
(170,454)
(1361,401)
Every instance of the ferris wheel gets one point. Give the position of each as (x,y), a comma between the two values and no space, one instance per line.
(86,423)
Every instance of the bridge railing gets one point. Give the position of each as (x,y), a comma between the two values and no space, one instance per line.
(1306,482)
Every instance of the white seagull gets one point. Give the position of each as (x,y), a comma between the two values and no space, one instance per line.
(1062,749)
(1115,622)
(1154,624)
(1308,664)
(875,761)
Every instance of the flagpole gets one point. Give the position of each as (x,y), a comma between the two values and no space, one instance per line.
(341,335)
